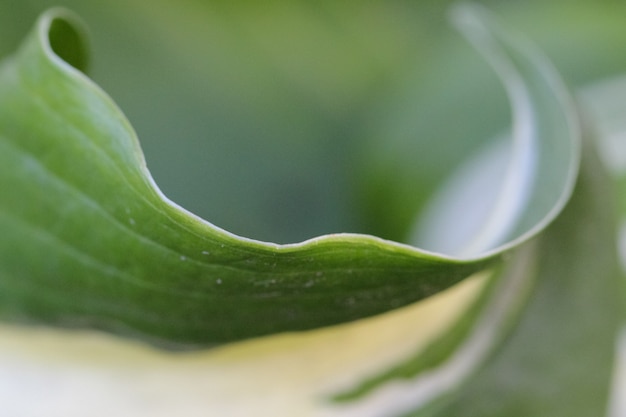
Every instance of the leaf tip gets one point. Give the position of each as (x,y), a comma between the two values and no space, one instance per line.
(64,36)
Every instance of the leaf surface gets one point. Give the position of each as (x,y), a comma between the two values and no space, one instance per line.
(560,361)
(90,241)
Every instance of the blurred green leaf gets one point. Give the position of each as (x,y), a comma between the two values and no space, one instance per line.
(559,361)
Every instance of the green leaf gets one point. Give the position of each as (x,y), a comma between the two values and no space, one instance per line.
(604,101)
(560,360)
(89,241)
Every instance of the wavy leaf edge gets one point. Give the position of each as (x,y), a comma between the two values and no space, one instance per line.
(467,18)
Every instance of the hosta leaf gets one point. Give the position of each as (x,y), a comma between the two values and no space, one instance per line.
(579,299)
(605,102)
(560,360)
(89,240)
